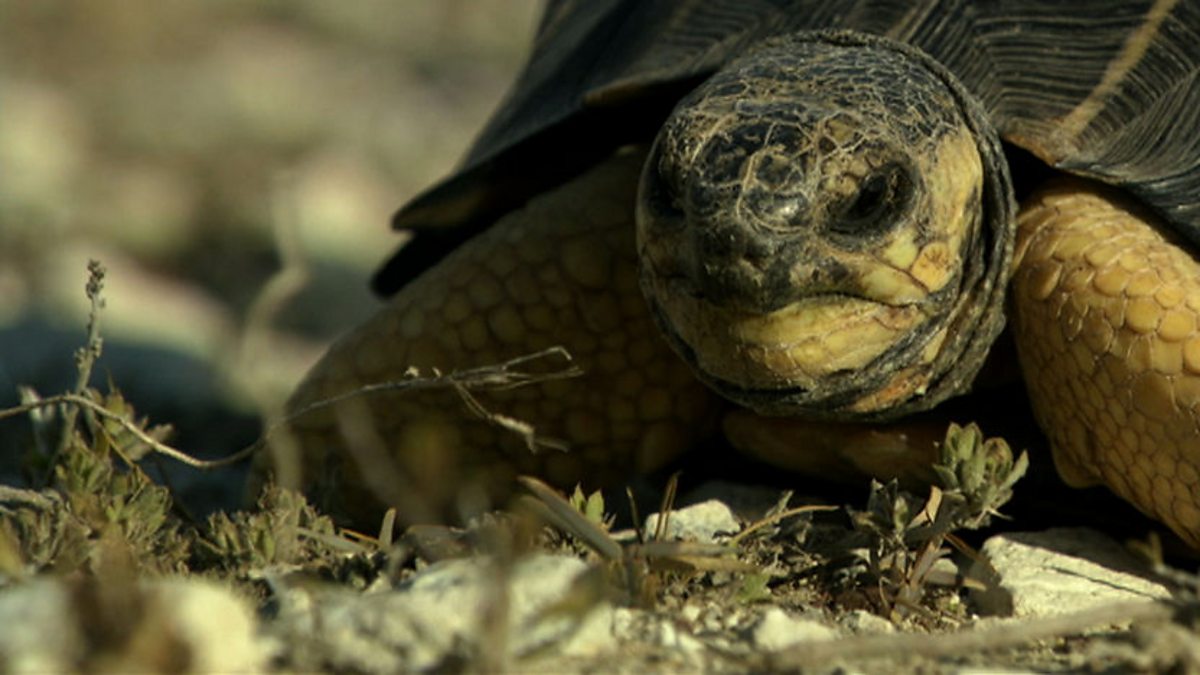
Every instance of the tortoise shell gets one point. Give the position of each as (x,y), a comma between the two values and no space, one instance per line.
(1108,89)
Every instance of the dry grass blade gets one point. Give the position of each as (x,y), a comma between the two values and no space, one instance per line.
(387,527)
(692,556)
(658,555)
(559,512)
(636,515)
(666,506)
(778,517)
(501,376)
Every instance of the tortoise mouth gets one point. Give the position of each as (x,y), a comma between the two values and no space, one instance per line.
(797,347)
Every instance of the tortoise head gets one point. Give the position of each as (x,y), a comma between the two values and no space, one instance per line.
(824,228)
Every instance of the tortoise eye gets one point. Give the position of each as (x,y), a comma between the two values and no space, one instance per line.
(882,197)
(662,198)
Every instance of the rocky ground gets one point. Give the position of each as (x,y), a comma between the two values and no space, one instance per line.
(100,572)
(199,147)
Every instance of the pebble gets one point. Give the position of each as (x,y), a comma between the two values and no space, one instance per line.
(175,624)
(699,522)
(451,609)
(1057,571)
(778,630)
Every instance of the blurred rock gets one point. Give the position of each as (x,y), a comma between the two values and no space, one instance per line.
(188,144)
(862,621)
(1057,571)
(778,630)
(168,625)
(700,522)
(454,611)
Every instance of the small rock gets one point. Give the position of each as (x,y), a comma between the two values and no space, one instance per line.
(217,627)
(862,621)
(180,625)
(1057,571)
(648,629)
(699,522)
(449,611)
(690,613)
(669,646)
(39,635)
(673,637)
(779,630)
(748,502)
(987,670)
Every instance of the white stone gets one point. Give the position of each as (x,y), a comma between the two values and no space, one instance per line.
(778,630)
(985,670)
(673,637)
(862,621)
(1057,571)
(214,628)
(690,613)
(699,522)
(449,606)
(38,635)
(218,627)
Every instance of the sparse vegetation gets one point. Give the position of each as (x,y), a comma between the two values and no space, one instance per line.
(96,504)
(98,516)
(908,536)
(157,155)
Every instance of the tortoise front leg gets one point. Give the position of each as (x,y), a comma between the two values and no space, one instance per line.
(1105,311)
(559,272)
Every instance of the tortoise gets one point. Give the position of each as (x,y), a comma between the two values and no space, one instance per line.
(766,219)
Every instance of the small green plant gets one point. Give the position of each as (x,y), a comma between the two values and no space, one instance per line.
(907,535)
(95,503)
(977,475)
(283,530)
(591,506)
(94,493)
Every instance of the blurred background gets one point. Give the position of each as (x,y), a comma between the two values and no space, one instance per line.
(186,144)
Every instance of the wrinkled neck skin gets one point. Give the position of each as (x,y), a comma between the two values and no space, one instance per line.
(824,229)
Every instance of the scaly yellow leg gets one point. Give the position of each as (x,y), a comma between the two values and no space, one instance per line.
(560,271)
(1105,312)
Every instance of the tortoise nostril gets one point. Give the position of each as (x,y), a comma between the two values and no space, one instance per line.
(720,244)
(760,252)
(738,269)
(732,245)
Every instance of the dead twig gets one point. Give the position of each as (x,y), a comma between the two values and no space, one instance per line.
(496,377)
(85,358)
(500,376)
(777,517)
(86,403)
(523,429)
